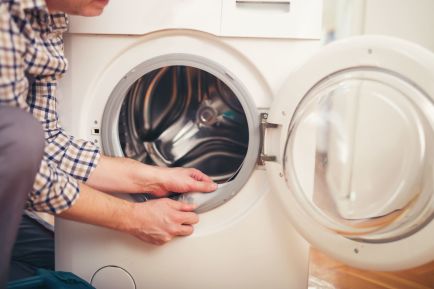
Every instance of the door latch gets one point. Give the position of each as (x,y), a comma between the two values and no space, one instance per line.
(263,126)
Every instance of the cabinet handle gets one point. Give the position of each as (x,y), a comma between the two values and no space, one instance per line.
(263,2)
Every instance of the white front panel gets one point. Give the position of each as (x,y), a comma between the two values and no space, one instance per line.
(247,243)
(256,250)
(141,17)
(282,18)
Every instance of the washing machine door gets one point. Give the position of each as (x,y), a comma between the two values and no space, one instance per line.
(351,136)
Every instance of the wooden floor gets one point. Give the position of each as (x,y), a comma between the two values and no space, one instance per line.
(345,277)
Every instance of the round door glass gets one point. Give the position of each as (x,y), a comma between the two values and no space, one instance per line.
(359,155)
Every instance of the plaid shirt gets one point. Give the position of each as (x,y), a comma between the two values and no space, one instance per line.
(31,63)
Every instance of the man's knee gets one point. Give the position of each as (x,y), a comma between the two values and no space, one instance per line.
(21,140)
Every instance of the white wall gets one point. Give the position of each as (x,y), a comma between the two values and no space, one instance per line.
(342,18)
(409,19)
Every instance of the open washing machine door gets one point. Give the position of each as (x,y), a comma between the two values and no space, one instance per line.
(350,144)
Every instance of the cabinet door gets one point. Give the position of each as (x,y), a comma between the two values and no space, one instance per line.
(137,17)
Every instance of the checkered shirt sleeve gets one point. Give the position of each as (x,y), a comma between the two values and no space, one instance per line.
(31,62)
(76,157)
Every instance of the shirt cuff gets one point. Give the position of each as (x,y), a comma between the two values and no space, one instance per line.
(77,158)
(54,191)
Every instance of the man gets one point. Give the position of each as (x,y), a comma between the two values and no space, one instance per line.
(62,175)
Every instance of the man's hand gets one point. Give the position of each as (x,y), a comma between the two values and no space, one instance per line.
(124,175)
(159,221)
(156,221)
(179,180)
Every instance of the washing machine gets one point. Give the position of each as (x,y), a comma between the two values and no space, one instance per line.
(324,146)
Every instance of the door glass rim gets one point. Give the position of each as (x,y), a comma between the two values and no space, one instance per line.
(296,188)
(110,120)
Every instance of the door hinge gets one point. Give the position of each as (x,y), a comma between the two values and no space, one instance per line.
(263,126)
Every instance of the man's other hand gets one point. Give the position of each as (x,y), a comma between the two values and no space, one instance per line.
(179,180)
(159,221)
(122,175)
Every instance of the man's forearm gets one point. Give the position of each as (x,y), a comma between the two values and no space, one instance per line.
(97,208)
(156,221)
(119,175)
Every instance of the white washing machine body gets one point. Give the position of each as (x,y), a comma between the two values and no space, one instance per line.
(249,230)
(245,243)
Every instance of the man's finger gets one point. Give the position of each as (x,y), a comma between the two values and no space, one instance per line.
(188,218)
(205,187)
(185,230)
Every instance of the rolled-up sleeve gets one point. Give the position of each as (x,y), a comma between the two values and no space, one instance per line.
(66,161)
(53,191)
(78,158)
(73,156)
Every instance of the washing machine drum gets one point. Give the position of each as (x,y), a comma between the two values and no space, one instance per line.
(181,116)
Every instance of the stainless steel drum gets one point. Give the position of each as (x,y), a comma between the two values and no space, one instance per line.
(183,116)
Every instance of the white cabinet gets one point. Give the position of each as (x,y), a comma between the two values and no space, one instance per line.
(138,19)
